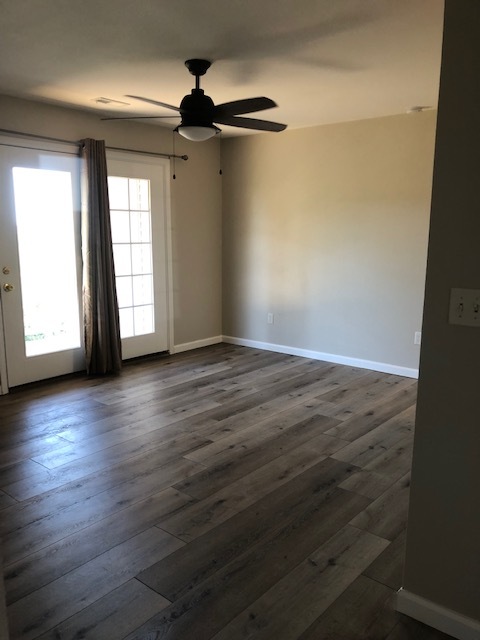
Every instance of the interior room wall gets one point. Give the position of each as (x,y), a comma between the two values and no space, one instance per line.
(195,203)
(443,538)
(327,229)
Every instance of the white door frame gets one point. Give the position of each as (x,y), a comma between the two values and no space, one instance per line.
(72,149)
(145,158)
(3,357)
(62,148)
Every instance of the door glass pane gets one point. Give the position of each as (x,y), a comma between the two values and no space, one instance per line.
(143,319)
(140,226)
(46,246)
(142,290)
(120,224)
(126,323)
(139,195)
(118,193)
(141,258)
(122,257)
(132,249)
(124,291)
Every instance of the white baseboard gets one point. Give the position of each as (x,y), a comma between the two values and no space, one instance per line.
(438,617)
(327,357)
(196,344)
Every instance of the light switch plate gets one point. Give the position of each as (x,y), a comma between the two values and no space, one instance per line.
(465,307)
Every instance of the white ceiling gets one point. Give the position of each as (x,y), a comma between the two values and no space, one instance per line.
(322,61)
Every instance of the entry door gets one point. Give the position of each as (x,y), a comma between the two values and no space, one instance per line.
(138,193)
(40,264)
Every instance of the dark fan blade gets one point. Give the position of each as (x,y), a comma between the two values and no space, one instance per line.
(139,117)
(249,105)
(159,104)
(251,123)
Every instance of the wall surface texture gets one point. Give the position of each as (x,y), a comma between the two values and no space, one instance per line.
(443,540)
(327,229)
(195,203)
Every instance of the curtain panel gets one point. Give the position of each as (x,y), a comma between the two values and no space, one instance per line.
(103,349)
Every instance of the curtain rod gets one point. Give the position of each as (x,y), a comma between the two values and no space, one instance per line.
(77,142)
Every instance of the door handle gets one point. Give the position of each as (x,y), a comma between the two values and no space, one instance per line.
(8,287)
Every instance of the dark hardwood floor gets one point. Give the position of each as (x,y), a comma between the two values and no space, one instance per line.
(224,493)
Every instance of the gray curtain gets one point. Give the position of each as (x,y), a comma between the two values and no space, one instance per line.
(103,348)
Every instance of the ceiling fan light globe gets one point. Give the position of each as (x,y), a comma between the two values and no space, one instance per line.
(197,134)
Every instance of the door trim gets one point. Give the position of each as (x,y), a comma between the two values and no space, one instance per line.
(61,148)
(3,356)
(140,158)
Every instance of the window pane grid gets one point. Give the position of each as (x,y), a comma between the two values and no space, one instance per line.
(132,248)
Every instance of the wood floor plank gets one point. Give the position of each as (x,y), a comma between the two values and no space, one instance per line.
(51,562)
(355,397)
(261,462)
(227,592)
(387,569)
(194,377)
(247,371)
(164,452)
(66,596)
(48,530)
(19,452)
(20,470)
(236,462)
(284,507)
(367,483)
(387,515)
(395,462)
(140,431)
(199,517)
(256,434)
(127,414)
(375,415)
(368,447)
(247,416)
(146,391)
(112,617)
(310,588)
(140,468)
(286,365)
(364,611)
(300,385)
(6,500)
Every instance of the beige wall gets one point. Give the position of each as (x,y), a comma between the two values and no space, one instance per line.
(196,203)
(327,228)
(443,540)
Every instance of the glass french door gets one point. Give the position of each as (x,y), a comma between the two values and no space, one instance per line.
(138,193)
(41,334)
(40,264)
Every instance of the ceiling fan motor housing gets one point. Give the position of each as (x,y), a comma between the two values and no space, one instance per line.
(197,109)
(199,112)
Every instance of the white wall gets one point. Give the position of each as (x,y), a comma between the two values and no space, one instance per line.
(327,229)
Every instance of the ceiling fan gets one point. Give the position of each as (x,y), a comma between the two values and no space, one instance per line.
(199,113)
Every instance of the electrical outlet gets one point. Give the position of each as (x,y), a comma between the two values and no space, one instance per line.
(418,337)
(269,318)
(465,307)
